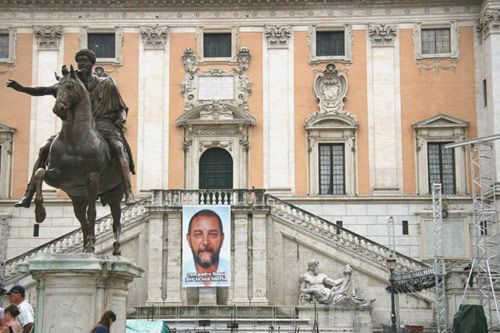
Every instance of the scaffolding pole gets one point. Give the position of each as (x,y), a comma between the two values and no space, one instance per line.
(439,264)
(4,235)
(485,265)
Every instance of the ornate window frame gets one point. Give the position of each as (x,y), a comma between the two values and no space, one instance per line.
(235,43)
(348,40)
(118,31)
(12,45)
(221,123)
(454,40)
(6,143)
(440,128)
(332,128)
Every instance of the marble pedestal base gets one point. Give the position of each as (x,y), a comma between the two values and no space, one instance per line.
(75,289)
(340,317)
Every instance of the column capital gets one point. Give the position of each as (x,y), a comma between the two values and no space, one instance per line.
(489,22)
(278,36)
(154,37)
(48,37)
(382,34)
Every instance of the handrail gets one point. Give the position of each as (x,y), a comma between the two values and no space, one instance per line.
(405,262)
(73,239)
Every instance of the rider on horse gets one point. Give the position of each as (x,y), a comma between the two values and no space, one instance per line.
(109,111)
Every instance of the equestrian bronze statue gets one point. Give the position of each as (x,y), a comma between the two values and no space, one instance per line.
(89,158)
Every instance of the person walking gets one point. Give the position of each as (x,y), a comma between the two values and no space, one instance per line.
(104,324)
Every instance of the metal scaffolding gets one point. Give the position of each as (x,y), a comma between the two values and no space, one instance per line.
(485,265)
(439,264)
(4,235)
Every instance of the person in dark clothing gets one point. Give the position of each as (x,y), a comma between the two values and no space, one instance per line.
(103,326)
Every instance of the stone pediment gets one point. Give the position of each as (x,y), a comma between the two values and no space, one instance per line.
(441,121)
(341,120)
(6,129)
(215,112)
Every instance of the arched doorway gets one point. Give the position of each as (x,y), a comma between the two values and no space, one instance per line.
(216,169)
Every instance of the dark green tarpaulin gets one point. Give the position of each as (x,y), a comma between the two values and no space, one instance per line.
(470,318)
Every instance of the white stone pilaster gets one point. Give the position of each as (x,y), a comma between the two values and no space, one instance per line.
(489,27)
(47,59)
(384,110)
(153,109)
(240,258)
(259,259)
(173,278)
(155,258)
(278,109)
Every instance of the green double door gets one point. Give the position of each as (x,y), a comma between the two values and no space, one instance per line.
(216,169)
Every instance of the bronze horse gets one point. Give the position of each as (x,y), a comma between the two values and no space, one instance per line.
(80,163)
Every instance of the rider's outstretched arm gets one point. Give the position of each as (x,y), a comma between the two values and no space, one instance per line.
(33,91)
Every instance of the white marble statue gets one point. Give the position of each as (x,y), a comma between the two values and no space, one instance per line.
(318,287)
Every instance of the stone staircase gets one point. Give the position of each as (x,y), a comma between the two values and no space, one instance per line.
(331,233)
(281,210)
(73,241)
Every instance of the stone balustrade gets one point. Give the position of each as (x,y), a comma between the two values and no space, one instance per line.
(233,197)
(73,241)
(331,232)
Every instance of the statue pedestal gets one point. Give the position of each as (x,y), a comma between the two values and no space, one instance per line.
(339,317)
(75,289)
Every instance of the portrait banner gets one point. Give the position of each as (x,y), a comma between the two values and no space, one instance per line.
(206,251)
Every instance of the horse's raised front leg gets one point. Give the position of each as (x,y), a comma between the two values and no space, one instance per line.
(116,212)
(92,192)
(40,213)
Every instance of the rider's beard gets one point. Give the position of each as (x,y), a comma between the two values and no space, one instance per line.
(201,258)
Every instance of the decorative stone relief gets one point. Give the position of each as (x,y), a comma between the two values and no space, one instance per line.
(278,36)
(382,34)
(216,109)
(196,96)
(154,37)
(330,88)
(48,38)
(436,66)
(488,22)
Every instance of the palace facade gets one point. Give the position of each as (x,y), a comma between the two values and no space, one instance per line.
(314,114)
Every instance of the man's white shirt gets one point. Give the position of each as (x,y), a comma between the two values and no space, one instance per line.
(26,315)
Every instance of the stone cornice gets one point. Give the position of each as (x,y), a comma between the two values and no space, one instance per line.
(217,5)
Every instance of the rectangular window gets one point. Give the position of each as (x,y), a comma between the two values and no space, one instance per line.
(103,44)
(4,46)
(405,227)
(485,93)
(330,43)
(217,45)
(36,230)
(340,224)
(441,166)
(435,41)
(331,169)
(484,228)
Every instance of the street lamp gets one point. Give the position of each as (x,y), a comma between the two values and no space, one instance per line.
(391,264)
